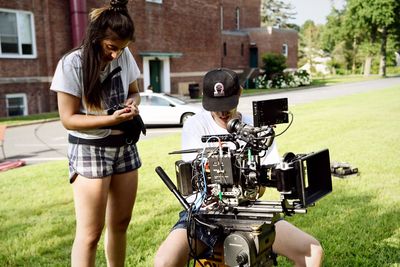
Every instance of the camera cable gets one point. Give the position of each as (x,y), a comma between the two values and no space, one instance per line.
(290,123)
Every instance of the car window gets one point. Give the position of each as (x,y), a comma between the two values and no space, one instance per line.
(158,101)
(175,99)
(144,100)
(153,100)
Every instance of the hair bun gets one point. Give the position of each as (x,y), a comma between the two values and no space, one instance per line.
(118,5)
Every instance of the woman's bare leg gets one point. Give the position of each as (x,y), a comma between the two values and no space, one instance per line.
(90,199)
(121,199)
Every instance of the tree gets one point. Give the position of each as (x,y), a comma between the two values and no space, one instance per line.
(276,13)
(377,19)
(310,47)
(341,41)
(333,30)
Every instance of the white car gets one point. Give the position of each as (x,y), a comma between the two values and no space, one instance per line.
(165,109)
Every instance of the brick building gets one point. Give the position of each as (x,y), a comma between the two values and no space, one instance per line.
(177,42)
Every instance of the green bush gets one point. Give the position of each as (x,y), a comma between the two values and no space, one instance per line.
(393,70)
(341,71)
(274,75)
(273,64)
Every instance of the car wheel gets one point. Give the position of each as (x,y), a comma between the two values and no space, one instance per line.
(185,117)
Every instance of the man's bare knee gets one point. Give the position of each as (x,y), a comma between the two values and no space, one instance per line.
(317,252)
(161,261)
(166,258)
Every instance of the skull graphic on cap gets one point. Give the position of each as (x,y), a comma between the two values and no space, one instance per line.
(219,90)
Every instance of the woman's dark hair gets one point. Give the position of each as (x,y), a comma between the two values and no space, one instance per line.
(110,22)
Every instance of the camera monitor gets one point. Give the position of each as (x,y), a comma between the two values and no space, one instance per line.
(317,180)
(270,112)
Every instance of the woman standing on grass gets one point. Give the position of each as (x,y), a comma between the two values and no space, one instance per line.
(103,162)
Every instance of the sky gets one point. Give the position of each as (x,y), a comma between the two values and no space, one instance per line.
(316,10)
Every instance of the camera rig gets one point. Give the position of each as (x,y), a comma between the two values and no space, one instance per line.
(222,187)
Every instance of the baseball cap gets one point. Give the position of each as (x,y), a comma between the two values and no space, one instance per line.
(221,90)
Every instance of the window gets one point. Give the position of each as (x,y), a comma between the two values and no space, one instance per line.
(17,38)
(285,51)
(237,18)
(225,50)
(16,105)
(158,101)
(153,101)
(155,1)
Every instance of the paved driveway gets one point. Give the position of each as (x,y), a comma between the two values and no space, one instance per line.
(318,93)
(48,141)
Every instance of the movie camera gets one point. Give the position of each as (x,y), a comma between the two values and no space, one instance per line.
(221,188)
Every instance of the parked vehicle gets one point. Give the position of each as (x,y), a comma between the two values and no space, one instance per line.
(165,109)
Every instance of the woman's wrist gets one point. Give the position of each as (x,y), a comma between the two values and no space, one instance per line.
(133,99)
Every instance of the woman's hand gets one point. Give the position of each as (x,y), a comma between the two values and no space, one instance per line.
(127,113)
(73,119)
(130,101)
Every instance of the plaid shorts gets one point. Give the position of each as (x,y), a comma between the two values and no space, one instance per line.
(100,161)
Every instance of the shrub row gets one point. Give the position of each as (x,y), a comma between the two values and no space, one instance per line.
(283,80)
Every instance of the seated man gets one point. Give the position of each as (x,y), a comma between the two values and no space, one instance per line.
(221,92)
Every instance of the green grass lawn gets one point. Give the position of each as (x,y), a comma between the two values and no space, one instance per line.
(329,80)
(358,224)
(19,120)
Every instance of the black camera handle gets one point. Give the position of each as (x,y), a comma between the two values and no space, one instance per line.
(171,186)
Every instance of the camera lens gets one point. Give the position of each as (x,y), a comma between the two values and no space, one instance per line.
(234,126)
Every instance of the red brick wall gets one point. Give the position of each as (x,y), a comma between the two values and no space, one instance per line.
(237,57)
(272,42)
(249,13)
(189,27)
(39,98)
(52,35)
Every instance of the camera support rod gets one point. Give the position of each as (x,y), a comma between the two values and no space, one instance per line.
(171,186)
(270,207)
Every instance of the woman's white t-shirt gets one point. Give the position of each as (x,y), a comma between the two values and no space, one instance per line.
(68,79)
